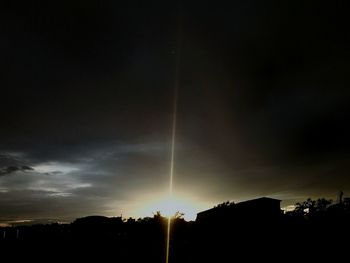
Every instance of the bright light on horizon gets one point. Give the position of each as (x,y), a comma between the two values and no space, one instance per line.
(168,205)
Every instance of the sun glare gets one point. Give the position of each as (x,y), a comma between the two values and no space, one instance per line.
(168,206)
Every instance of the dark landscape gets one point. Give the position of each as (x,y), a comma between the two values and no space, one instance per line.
(254,229)
(124,125)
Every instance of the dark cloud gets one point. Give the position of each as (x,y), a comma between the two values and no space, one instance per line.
(10,164)
(11,169)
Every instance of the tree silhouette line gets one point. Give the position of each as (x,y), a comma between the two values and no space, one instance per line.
(313,224)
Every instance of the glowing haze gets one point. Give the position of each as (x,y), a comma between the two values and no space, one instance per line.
(168,205)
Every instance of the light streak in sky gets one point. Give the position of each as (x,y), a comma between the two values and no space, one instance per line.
(173,132)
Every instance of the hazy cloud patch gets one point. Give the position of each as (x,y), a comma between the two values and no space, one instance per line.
(10,164)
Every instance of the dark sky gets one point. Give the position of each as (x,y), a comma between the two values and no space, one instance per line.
(87,91)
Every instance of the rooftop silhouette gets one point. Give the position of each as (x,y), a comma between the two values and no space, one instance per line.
(219,234)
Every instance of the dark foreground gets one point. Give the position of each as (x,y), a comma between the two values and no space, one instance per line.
(285,238)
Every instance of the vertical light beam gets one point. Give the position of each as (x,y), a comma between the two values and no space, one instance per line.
(173,132)
(168,241)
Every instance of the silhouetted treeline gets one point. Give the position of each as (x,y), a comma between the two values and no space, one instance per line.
(315,229)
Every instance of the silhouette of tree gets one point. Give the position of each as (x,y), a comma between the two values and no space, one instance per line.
(299,209)
(346,204)
(157,215)
(322,204)
(225,204)
(311,206)
(178,215)
(130,220)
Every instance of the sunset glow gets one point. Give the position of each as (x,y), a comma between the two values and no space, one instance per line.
(169,205)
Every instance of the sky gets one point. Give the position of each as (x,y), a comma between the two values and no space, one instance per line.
(87,104)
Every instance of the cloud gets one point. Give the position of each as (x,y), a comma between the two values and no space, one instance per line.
(109,177)
(11,169)
(90,178)
(11,163)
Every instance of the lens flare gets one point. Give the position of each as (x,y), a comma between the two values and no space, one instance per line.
(173,139)
(173,136)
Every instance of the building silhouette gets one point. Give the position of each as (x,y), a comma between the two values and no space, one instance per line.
(260,209)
